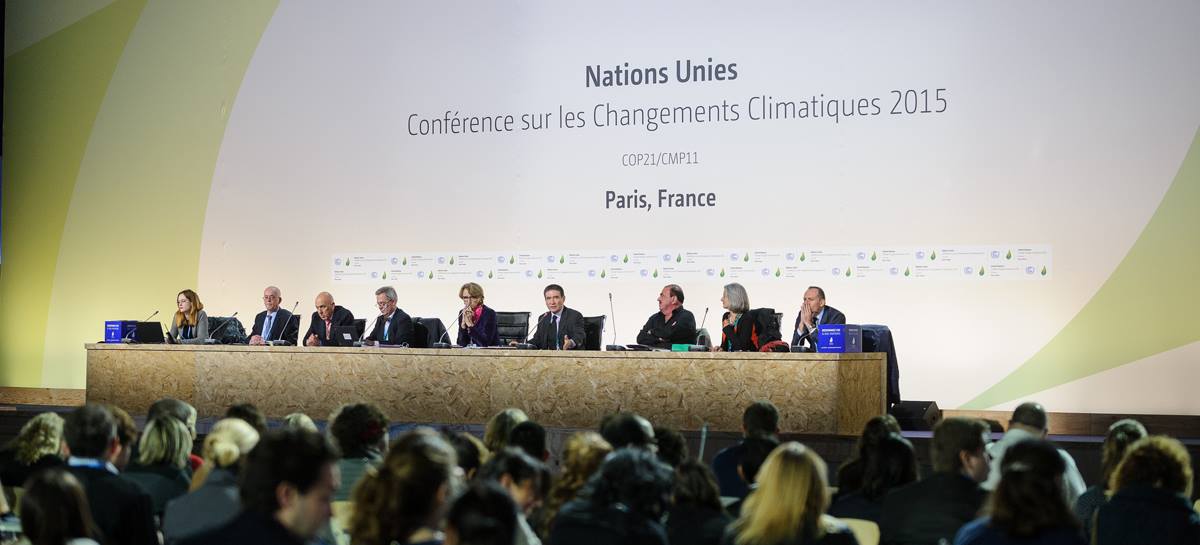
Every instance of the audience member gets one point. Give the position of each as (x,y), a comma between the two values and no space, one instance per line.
(483,515)
(850,474)
(249,413)
(127,434)
(469,451)
(1120,435)
(123,512)
(495,434)
(1029,422)
(530,437)
(162,464)
(754,452)
(403,501)
(287,486)
(184,412)
(582,456)
(1028,505)
(37,446)
(621,504)
(935,507)
(1152,487)
(892,464)
(672,447)
(626,429)
(696,516)
(54,510)
(526,479)
(216,499)
(299,421)
(360,433)
(788,507)
(759,420)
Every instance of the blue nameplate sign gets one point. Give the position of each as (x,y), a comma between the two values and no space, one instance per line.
(839,338)
(116,330)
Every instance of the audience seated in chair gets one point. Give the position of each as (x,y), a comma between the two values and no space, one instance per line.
(495,434)
(1121,434)
(1151,501)
(892,464)
(214,500)
(526,479)
(161,467)
(483,515)
(754,453)
(1029,421)
(404,501)
(469,451)
(696,515)
(672,448)
(183,412)
(582,456)
(55,511)
(37,446)
(626,429)
(621,504)
(122,510)
(759,420)
(530,437)
(360,433)
(850,474)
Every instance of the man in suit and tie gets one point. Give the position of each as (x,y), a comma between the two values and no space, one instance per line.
(274,323)
(813,313)
(121,509)
(560,328)
(327,317)
(393,326)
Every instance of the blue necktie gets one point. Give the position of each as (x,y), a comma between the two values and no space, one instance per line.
(266,333)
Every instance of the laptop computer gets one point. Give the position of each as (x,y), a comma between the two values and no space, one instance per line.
(344,335)
(148,333)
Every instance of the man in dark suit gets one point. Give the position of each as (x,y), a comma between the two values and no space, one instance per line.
(122,510)
(759,420)
(327,317)
(560,328)
(672,324)
(935,507)
(286,489)
(813,313)
(393,326)
(274,323)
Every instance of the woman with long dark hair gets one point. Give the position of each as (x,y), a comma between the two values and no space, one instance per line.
(54,510)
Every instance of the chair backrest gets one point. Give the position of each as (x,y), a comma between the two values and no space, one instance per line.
(420,335)
(593,331)
(865,531)
(512,326)
(234,333)
(359,325)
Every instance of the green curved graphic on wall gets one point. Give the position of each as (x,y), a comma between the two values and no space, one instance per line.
(1147,306)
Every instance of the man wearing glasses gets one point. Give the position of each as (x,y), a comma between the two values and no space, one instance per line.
(274,324)
(393,326)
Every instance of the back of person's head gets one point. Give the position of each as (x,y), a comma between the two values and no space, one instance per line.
(495,434)
(530,437)
(792,495)
(953,436)
(760,419)
(468,449)
(582,456)
(299,421)
(180,410)
(54,509)
(893,464)
(228,441)
(406,492)
(249,413)
(696,485)
(521,469)
(359,429)
(165,441)
(296,458)
(672,448)
(875,429)
(1029,498)
(483,515)
(89,431)
(1157,461)
(1120,435)
(754,452)
(626,429)
(634,478)
(1029,414)
(127,431)
(41,436)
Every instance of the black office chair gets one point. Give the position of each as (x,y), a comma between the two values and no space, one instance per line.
(420,335)
(593,332)
(512,326)
(359,325)
(435,331)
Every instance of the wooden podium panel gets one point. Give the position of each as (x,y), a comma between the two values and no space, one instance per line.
(815,393)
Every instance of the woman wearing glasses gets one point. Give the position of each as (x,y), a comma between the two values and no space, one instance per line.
(477,322)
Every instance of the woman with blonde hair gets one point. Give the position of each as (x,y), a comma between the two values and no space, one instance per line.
(405,499)
(214,499)
(788,508)
(477,321)
(582,456)
(37,446)
(162,461)
(190,324)
(495,433)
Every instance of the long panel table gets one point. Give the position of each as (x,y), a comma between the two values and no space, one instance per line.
(815,393)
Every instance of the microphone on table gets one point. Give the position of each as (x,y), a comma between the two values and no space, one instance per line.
(281,341)
(446,334)
(128,338)
(698,346)
(614,346)
(211,336)
(365,330)
(536,326)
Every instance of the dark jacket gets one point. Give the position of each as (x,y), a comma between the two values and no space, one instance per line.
(249,528)
(981,532)
(211,506)
(14,473)
(857,506)
(570,324)
(122,510)
(163,483)
(829,316)
(285,326)
(483,333)
(752,330)
(725,467)
(931,509)
(696,525)
(581,523)
(1140,514)
(400,331)
(661,333)
(341,317)
(839,536)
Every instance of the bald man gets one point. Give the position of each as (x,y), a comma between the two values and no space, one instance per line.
(274,324)
(327,317)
